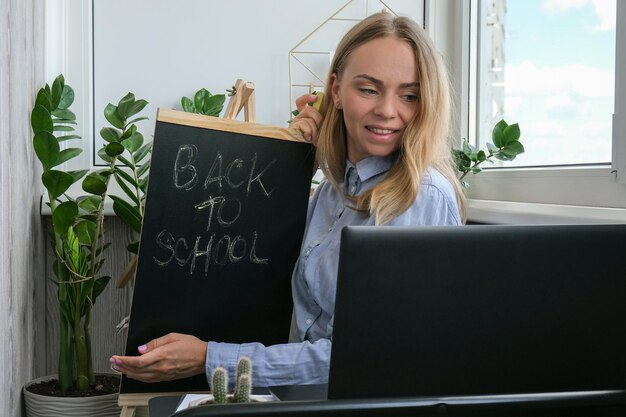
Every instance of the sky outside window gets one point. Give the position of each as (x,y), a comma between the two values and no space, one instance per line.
(559,79)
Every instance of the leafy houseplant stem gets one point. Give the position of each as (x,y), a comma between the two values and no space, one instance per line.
(78,223)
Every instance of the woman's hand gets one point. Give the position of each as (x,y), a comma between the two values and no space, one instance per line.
(309,119)
(173,356)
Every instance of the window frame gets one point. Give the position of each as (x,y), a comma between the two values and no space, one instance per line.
(577,193)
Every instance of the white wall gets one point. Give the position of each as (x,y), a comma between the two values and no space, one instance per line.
(163,49)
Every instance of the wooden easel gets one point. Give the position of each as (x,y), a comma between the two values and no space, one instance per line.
(241,97)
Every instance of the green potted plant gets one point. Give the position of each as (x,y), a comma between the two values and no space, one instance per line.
(77,238)
(505,147)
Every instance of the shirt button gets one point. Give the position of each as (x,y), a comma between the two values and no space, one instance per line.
(308,322)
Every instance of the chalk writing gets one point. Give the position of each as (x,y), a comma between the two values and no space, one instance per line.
(226,250)
(222,211)
(184,167)
(186,153)
(222,202)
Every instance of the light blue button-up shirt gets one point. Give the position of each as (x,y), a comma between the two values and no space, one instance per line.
(306,358)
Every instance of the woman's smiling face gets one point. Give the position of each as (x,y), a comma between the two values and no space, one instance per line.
(378,92)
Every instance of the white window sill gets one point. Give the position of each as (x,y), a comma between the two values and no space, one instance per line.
(509,212)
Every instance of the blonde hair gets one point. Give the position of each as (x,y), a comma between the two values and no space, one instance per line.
(425,140)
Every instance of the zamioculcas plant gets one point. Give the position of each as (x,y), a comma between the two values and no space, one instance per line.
(505,147)
(76,233)
(126,146)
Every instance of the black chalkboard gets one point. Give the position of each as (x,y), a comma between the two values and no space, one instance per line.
(225,213)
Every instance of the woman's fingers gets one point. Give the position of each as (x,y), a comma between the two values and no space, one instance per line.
(308,122)
(169,357)
(304,100)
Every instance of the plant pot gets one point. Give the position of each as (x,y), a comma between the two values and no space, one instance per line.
(207,399)
(38,405)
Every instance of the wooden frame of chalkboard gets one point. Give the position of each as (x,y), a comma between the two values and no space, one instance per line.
(224,219)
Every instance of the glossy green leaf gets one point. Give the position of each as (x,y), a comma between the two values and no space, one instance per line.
(137,106)
(47,149)
(468,149)
(187,105)
(125,105)
(62,128)
(511,134)
(143,169)
(133,247)
(513,149)
(492,148)
(67,137)
(198,99)
(503,156)
(57,90)
(99,286)
(139,119)
(78,174)
(142,152)
(64,216)
(497,135)
(127,213)
(110,134)
(134,142)
(130,193)
(143,184)
(126,177)
(67,97)
(103,155)
(64,114)
(86,232)
(67,154)
(43,99)
(213,105)
(126,162)
(89,203)
(95,183)
(110,113)
(40,120)
(56,182)
(60,122)
(114,149)
(128,132)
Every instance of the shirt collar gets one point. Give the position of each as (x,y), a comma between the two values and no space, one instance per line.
(370,166)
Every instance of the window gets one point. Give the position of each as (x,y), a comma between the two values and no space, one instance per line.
(548,65)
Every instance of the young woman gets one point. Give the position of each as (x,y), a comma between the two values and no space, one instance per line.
(382,143)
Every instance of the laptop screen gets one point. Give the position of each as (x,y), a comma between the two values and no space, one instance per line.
(479,310)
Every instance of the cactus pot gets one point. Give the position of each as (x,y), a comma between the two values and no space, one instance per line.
(208,399)
(38,405)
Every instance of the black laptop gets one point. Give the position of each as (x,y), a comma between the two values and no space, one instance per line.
(477,321)
(480,311)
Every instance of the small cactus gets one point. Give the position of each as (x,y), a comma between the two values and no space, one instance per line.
(244,366)
(219,385)
(244,387)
